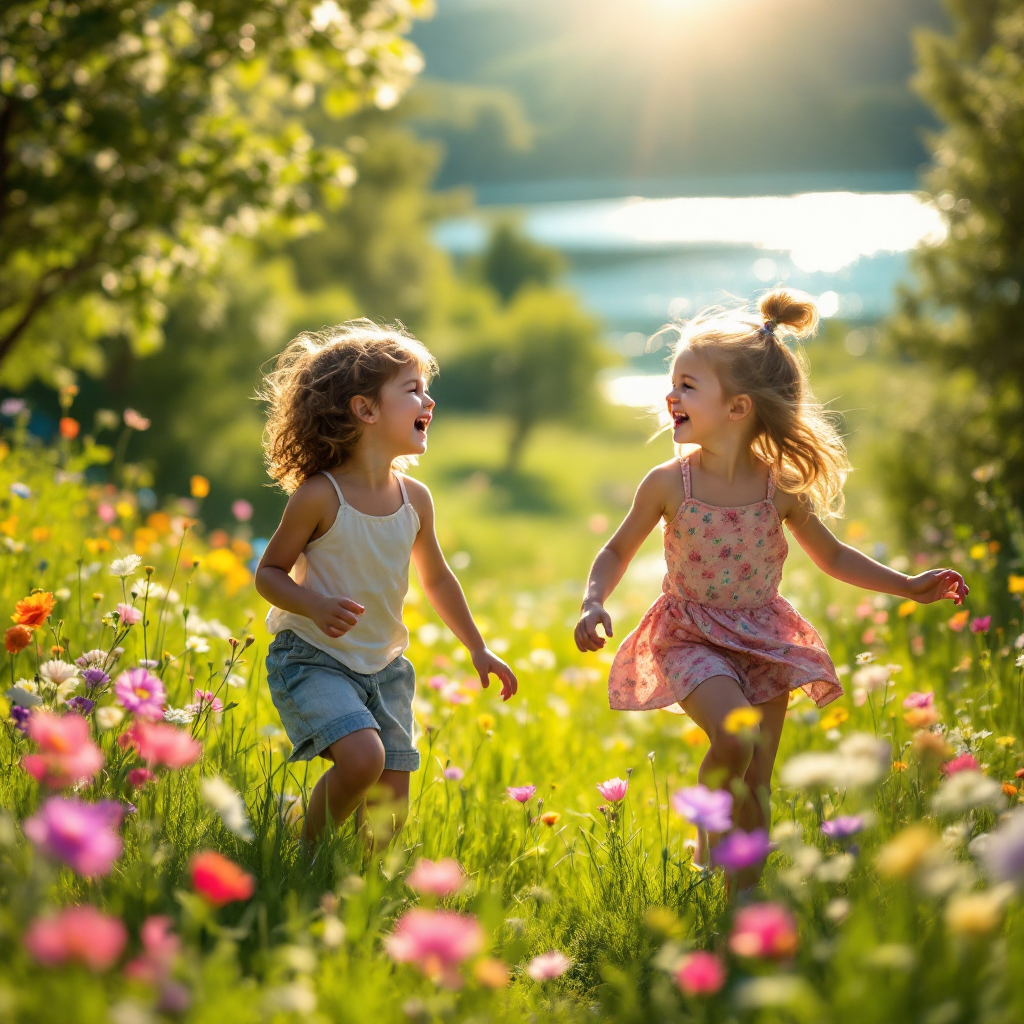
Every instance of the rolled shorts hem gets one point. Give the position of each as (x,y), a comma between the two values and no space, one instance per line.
(314,745)
(401,760)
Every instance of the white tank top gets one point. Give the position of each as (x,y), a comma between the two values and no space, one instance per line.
(365,558)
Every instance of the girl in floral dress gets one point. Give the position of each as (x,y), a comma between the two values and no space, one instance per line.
(721,638)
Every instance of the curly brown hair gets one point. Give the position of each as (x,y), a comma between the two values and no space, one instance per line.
(793,432)
(311,426)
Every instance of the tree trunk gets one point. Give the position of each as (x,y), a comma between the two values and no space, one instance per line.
(521,428)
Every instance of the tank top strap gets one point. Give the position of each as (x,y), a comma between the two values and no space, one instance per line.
(341,497)
(771,484)
(684,465)
(401,483)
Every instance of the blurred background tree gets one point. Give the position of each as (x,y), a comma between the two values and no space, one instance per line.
(136,136)
(962,317)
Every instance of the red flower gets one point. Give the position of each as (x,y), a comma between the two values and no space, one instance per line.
(220,880)
(963,763)
(68,428)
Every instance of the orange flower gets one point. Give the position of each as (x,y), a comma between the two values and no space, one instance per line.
(199,486)
(959,620)
(220,880)
(68,428)
(920,718)
(1009,789)
(898,766)
(550,818)
(17,638)
(33,610)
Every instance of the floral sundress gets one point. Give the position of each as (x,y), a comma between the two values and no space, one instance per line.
(721,614)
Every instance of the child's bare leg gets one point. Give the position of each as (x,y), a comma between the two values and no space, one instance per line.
(729,755)
(358,764)
(387,805)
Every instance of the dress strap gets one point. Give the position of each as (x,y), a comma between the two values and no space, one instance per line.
(684,464)
(401,483)
(771,484)
(341,497)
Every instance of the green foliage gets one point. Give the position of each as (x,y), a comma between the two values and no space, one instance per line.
(511,261)
(136,137)
(963,315)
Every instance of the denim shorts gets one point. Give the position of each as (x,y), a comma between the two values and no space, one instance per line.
(320,701)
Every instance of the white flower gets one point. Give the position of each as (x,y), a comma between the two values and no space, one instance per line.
(428,634)
(860,760)
(1002,852)
(1019,642)
(236,681)
(62,594)
(67,690)
(179,716)
(865,658)
(197,644)
(871,678)
(56,672)
(92,659)
(22,696)
(108,716)
(124,567)
(1019,662)
(966,790)
(200,627)
(543,659)
(149,589)
(228,805)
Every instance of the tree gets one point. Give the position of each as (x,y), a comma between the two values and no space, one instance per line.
(136,136)
(963,315)
(512,261)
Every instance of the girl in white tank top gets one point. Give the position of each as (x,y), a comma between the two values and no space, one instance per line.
(348,408)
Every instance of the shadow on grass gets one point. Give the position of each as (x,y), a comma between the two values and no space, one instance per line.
(507,490)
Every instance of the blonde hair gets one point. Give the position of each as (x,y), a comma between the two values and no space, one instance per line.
(793,433)
(311,426)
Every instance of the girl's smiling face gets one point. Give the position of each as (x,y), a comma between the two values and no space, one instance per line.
(405,411)
(697,404)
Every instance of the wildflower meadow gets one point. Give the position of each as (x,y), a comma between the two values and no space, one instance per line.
(151,868)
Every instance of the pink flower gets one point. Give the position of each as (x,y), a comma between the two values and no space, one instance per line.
(134,420)
(78,933)
(436,879)
(160,744)
(66,754)
(700,974)
(78,833)
(138,777)
(454,774)
(437,682)
(548,965)
(709,809)
(436,941)
(241,510)
(106,512)
(614,789)
(160,948)
(963,763)
(205,698)
(521,793)
(764,930)
(141,693)
(919,700)
(127,614)
(981,624)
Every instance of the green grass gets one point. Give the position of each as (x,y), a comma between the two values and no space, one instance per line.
(614,890)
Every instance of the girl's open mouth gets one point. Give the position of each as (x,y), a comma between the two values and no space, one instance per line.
(422,423)
(679,417)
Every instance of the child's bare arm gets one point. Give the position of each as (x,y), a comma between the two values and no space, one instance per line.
(654,499)
(306,508)
(444,592)
(846,563)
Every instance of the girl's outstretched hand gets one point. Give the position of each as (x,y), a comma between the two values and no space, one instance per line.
(586,634)
(937,585)
(486,662)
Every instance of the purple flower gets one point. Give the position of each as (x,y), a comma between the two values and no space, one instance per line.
(981,624)
(141,693)
(1002,852)
(739,850)
(21,716)
(843,827)
(81,704)
(95,677)
(709,809)
(78,833)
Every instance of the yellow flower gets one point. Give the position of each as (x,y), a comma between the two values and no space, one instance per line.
(906,608)
(978,552)
(9,526)
(834,718)
(921,718)
(40,534)
(199,486)
(486,722)
(742,720)
(695,736)
(1016,584)
(907,852)
(125,509)
(898,766)
(976,913)
(1006,741)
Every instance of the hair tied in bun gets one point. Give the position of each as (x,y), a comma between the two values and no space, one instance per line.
(767,328)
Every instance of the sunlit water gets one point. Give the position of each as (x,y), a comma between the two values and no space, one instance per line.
(640,262)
